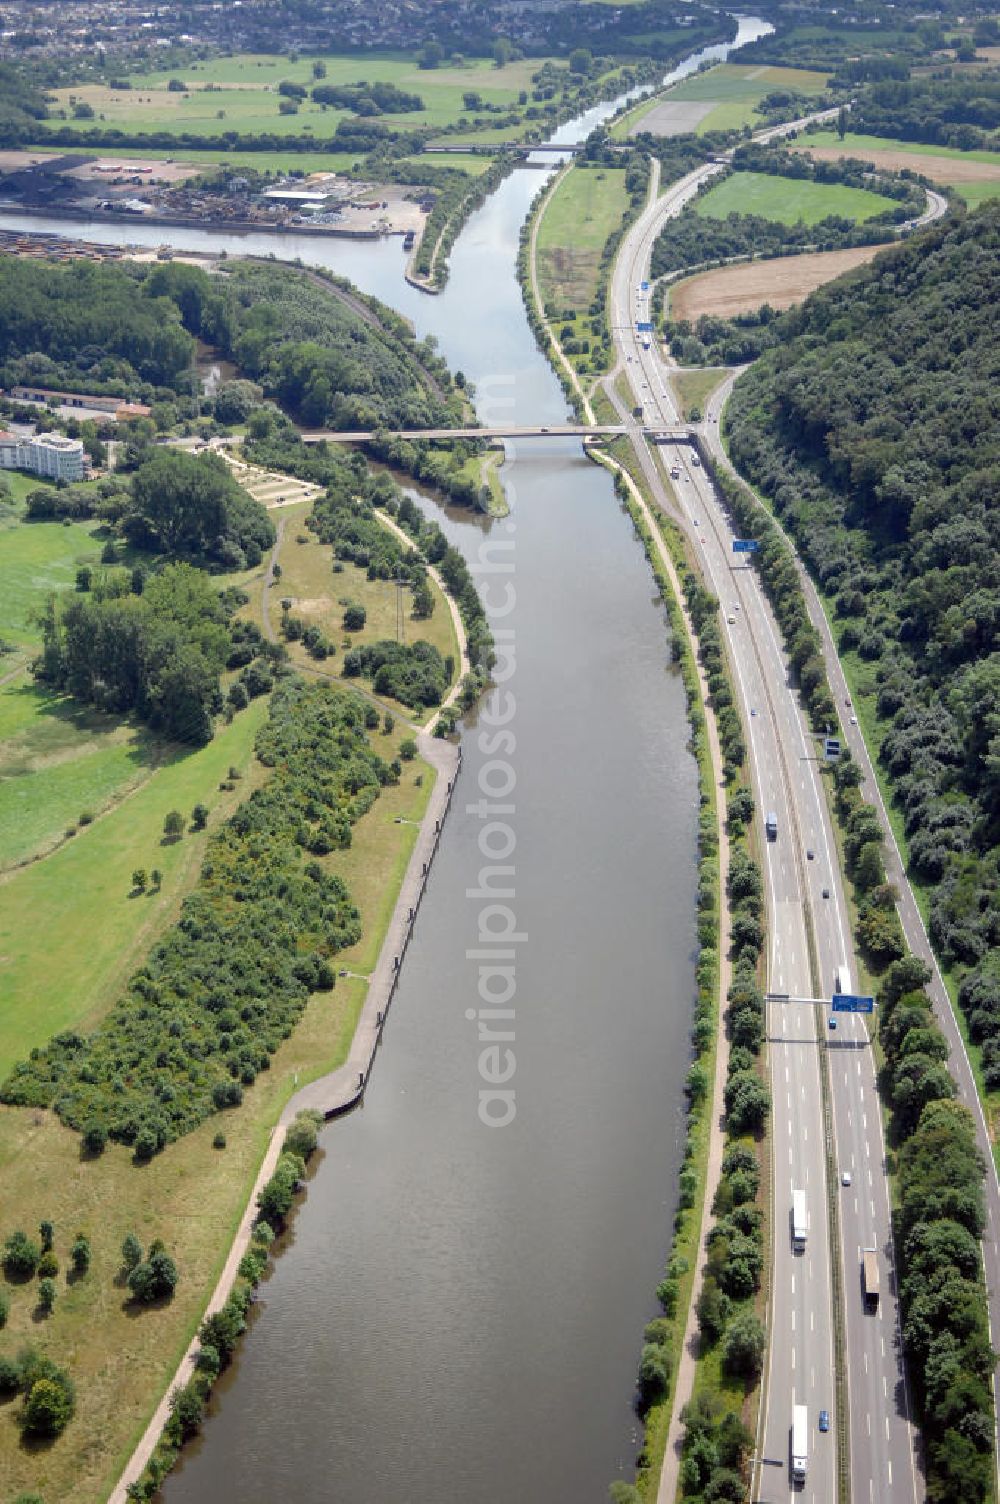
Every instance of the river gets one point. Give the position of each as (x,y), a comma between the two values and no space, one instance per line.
(457,1311)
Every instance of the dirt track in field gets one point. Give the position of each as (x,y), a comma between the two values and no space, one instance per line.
(736,289)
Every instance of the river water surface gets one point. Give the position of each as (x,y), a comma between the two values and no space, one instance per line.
(458,1311)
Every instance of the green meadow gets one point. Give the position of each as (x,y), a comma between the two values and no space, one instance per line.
(788,199)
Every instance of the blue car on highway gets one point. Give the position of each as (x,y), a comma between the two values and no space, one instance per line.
(824,1420)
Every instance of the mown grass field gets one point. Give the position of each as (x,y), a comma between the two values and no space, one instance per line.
(245,88)
(788,199)
(586,207)
(36,558)
(60,762)
(734,90)
(191,1194)
(70,931)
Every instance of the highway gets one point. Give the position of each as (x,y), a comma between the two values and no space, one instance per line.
(910,918)
(809,940)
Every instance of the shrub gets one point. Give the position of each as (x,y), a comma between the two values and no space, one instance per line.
(48,1265)
(46,1294)
(302,1136)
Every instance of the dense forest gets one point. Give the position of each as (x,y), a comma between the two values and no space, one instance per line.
(874,428)
(205,1013)
(317,347)
(953,109)
(155,646)
(88,324)
(326,358)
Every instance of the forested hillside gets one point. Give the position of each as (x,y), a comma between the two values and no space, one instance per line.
(326,358)
(327,355)
(874,428)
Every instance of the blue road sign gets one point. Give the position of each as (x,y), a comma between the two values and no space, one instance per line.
(644,326)
(831,747)
(745,545)
(846,1002)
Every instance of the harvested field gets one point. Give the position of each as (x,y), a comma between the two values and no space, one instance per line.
(737,289)
(673,117)
(939,169)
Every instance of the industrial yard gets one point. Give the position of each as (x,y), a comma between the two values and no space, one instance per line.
(176,192)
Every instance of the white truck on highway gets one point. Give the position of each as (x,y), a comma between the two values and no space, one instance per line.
(800,1227)
(800,1443)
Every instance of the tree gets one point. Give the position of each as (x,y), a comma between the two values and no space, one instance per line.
(423,600)
(95,1138)
(155,1278)
(318,69)
(842,122)
(408,749)
(139,880)
(355,617)
(49,1403)
(46,1294)
(580,60)
(743,1348)
(199,816)
(173,825)
(187,1410)
(21,1256)
(653,1377)
(79,1254)
(713,1309)
(430,55)
(46,1233)
(747,1102)
(131,1250)
(156,877)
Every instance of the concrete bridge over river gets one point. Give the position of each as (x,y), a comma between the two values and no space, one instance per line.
(511,431)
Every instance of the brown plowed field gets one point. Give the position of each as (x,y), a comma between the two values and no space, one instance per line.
(939,169)
(736,289)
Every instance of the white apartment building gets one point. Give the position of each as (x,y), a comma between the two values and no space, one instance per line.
(50,454)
